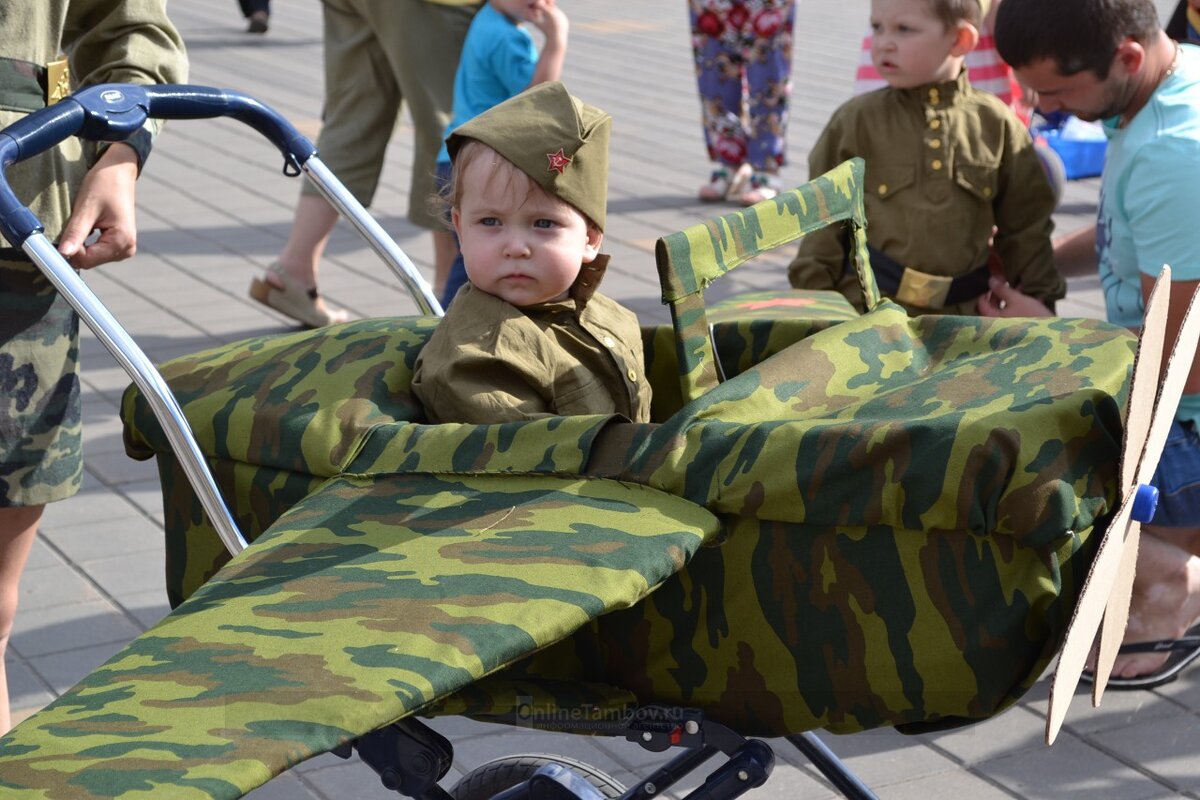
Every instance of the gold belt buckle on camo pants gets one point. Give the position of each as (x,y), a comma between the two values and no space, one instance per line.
(923,290)
(58,81)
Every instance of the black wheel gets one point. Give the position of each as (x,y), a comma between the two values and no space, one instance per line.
(490,778)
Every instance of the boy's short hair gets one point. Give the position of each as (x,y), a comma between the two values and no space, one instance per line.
(1078,35)
(952,12)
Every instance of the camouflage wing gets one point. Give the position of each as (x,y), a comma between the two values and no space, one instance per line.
(373,597)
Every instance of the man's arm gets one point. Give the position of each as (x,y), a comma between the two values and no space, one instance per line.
(1075,253)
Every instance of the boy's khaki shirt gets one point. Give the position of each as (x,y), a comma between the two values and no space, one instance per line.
(107,41)
(489,361)
(944,164)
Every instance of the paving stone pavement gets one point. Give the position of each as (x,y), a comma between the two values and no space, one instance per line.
(214,209)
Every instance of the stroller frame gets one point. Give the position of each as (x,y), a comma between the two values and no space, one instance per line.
(409,757)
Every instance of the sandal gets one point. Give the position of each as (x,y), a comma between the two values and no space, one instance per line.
(723,183)
(763,186)
(303,306)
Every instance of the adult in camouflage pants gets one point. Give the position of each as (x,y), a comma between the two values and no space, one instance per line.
(1112,61)
(73,189)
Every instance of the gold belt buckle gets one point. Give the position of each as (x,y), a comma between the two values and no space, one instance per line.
(923,290)
(58,81)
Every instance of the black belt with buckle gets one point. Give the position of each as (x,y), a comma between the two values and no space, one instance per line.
(23,85)
(920,289)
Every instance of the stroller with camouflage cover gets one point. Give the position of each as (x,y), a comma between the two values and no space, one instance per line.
(835,521)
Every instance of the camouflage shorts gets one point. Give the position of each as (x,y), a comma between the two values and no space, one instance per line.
(41,456)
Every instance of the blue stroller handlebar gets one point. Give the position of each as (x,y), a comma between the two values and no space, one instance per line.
(112,113)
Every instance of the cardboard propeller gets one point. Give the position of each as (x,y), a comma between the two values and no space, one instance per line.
(1103,605)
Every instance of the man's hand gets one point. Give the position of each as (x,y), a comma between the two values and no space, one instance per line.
(1004,301)
(105,201)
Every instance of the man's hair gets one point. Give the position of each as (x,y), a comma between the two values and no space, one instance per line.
(1078,35)
(952,12)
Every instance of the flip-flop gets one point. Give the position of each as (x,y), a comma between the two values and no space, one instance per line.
(1183,651)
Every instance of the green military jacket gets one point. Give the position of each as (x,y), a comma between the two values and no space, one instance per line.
(107,41)
(944,164)
(489,361)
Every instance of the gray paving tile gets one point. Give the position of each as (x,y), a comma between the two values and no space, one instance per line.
(287,786)
(43,631)
(53,586)
(1166,748)
(25,689)
(92,504)
(146,607)
(42,555)
(879,758)
(63,670)
(132,533)
(1014,731)
(951,784)
(1069,769)
(129,574)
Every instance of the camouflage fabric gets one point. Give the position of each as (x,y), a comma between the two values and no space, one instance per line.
(897,513)
(41,425)
(433,583)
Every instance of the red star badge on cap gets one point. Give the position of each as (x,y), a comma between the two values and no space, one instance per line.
(558,161)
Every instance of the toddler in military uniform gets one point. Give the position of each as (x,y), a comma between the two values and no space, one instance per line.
(529,336)
(951,172)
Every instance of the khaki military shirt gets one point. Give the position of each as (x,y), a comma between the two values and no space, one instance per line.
(489,361)
(107,41)
(944,164)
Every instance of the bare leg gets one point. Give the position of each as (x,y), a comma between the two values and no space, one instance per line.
(444,253)
(1166,595)
(301,256)
(18,526)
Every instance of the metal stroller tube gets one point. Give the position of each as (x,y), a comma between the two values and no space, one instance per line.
(148,380)
(383,245)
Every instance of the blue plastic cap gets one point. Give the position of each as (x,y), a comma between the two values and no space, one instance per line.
(1145,502)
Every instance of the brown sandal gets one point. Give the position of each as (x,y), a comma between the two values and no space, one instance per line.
(303,306)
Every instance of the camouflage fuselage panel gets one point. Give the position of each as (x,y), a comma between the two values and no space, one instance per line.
(933,423)
(369,599)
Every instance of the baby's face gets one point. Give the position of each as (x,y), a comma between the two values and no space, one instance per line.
(518,242)
(910,46)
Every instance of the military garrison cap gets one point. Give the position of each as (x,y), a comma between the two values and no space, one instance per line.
(554,138)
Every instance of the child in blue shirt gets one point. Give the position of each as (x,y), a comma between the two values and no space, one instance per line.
(499,60)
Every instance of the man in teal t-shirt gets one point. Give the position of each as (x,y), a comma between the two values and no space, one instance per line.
(1110,60)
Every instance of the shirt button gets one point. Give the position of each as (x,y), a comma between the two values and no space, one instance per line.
(934,97)
(608,341)
(934,144)
(883,188)
(987,191)
(631,375)
(936,164)
(934,124)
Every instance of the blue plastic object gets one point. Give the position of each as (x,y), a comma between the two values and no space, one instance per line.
(1145,502)
(1081,158)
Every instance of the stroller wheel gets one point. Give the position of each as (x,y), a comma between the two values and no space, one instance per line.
(492,777)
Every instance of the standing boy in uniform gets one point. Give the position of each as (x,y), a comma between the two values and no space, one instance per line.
(41,457)
(947,165)
(529,336)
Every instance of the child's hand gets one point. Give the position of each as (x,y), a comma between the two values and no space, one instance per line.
(547,17)
(1194,4)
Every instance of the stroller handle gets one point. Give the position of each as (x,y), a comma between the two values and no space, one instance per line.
(112,113)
